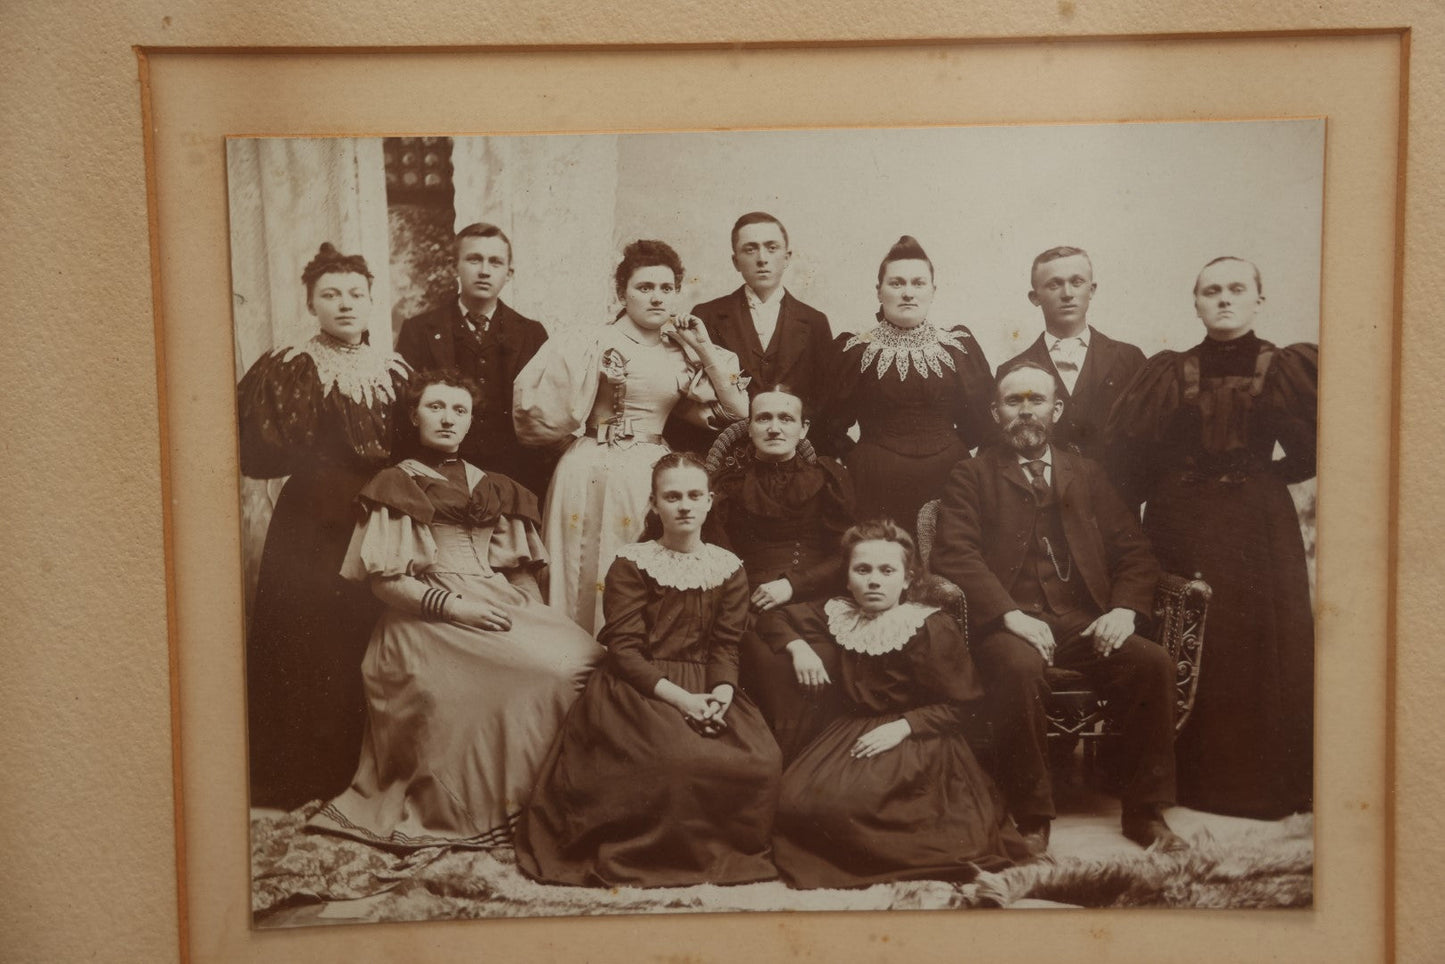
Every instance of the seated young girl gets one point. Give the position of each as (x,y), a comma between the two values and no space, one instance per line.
(663,775)
(468,674)
(889,790)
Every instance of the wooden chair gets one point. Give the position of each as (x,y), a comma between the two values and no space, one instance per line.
(1076,712)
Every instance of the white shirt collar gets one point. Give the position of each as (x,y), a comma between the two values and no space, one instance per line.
(754,301)
(1053,341)
(466,315)
(1047,458)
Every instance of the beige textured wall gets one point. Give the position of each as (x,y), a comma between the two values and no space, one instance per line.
(86,848)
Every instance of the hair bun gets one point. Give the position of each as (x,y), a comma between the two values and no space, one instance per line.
(907,248)
(327,250)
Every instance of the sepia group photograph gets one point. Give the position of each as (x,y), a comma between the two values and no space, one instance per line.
(852,519)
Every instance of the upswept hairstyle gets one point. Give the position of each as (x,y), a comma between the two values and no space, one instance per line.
(1258,283)
(757,217)
(645,253)
(905,248)
(330,261)
(481,229)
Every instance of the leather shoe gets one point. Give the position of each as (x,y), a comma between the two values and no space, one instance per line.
(1036,835)
(1146,827)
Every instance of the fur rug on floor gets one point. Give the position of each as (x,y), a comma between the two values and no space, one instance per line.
(1268,866)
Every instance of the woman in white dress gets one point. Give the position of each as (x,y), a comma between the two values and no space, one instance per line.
(613,390)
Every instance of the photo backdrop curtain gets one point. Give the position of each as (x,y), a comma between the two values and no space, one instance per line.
(287,196)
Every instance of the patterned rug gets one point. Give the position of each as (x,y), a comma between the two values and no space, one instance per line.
(302,877)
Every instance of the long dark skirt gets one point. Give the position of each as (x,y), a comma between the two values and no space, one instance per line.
(630,795)
(922,810)
(1247,749)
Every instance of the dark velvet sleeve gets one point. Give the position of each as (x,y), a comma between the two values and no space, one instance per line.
(729,622)
(943,672)
(1136,432)
(624,605)
(838,516)
(278,407)
(1291,389)
(779,627)
(840,409)
(972,417)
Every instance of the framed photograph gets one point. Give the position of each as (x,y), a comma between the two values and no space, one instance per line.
(1149,182)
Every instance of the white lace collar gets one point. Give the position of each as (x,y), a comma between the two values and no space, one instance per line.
(706,568)
(886,632)
(923,347)
(362,372)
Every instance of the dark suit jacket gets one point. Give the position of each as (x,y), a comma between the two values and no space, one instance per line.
(986,516)
(798,354)
(428,341)
(1108,368)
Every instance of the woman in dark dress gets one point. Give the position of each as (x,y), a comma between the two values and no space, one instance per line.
(890,790)
(321,413)
(1205,423)
(663,775)
(919,395)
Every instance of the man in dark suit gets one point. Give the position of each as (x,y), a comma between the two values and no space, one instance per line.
(479,336)
(1090,369)
(777,338)
(1057,571)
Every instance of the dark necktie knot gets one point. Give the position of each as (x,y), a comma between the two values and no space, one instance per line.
(479,322)
(1037,481)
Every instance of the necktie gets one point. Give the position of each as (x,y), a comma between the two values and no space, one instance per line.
(1065,355)
(480,323)
(1037,482)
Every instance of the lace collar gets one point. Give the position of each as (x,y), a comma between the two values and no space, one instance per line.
(706,568)
(887,632)
(363,372)
(923,347)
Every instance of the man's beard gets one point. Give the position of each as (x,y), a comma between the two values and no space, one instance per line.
(1023,436)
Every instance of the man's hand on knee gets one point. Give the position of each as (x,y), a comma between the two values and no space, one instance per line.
(1111,630)
(1033,631)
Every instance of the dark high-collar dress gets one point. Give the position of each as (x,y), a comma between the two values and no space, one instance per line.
(920,398)
(1204,425)
(324,414)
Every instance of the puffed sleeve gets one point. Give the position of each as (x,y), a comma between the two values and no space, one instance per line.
(393,536)
(944,673)
(840,410)
(278,407)
(729,623)
(972,416)
(806,621)
(700,404)
(1137,429)
(553,395)
(624,604)
(1291,391)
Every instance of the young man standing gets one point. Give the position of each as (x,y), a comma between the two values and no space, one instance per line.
(479,336)
(1090,369)
(776,337)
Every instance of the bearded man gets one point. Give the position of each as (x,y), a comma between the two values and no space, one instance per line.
(1057,572)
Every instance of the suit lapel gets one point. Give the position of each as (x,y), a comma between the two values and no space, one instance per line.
(743,330)
(788,337)
(443,343)
(1096,360)
(1038,353)
(1007,464)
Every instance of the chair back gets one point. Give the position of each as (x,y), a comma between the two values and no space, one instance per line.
(927,529)
(733,447)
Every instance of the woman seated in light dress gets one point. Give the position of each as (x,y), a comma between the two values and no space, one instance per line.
(468,674)
(890,789)
(612,390)
(664,774)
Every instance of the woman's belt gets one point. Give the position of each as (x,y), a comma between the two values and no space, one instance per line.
(618,430)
